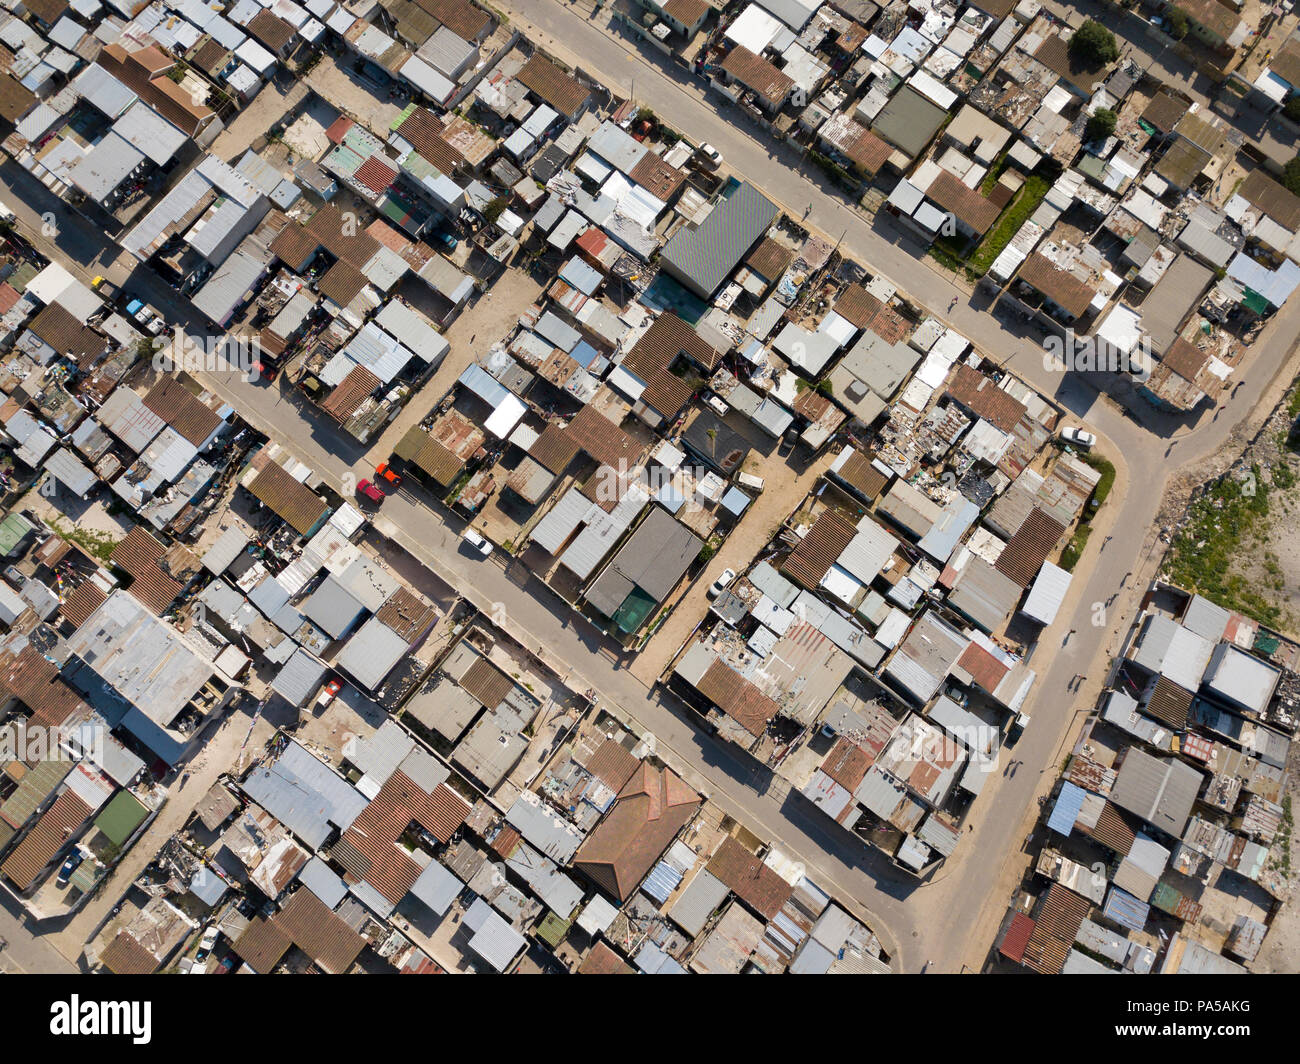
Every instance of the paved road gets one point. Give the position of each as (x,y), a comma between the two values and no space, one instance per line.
(27,951)
(921,922)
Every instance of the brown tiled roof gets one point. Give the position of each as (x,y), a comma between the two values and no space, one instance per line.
(350,393)
(1169,703)
(271,30)
(1214,16)
(1185,359)
(969,207)
(756,73)
(602,439)
(1164,111)
(487,683)
(769,259)
(1112,830)
(544,79)
(847,764)
(1279,203)
(210,56)
(613,764)
(369,847)
(48,11)
(817,551)
(263,945)
(294,245)
(604,961)
(288,498)
(35,681)
(1060,916)
(985,670)
(272,343)
(1054,53)
(405,614)
(554,449)
(141,555)
(653,806)
(1286,63)
(144,71)
(424,131)
(376,173)
(45,839)
(341,283)
(67,335)
(757,885)
(320,933)
(980,394)
(1060,286)
(15,100)
(507,841)
(865,150)
(388,236)
(651,358)
(344,239)
(737,697)
(857,305)
(687,12)
(656,176)
(1026,551)
(461,17)
(81,602)
(125,956)
(997,8)
(182,410)
(858,472)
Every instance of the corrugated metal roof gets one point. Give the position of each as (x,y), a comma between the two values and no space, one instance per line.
(704,257)
(305,795)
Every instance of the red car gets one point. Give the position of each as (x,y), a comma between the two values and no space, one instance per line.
(370,491)
(383,471)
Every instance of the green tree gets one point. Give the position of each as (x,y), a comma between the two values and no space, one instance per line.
(1094,44)
(1292,108)
(1101,124)
(1176,21)
(1291,175)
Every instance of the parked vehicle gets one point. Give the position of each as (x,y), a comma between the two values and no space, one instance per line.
(106,288)
(70,865)
(1078,437)
(716,403)
(476,542)
(328,692)
(721,583)
(207,943)
(370,491)
(709,156)
(750,481)
(448,242)
(1017,729)
(384,472)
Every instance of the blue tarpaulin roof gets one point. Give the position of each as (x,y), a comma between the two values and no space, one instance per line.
(1066,810)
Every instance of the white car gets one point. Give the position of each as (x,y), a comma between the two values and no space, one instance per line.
(477,542)
(716,403)
(710,157)
(1078,437)
(720,584)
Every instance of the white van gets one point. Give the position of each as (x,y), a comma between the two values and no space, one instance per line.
(751,481)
